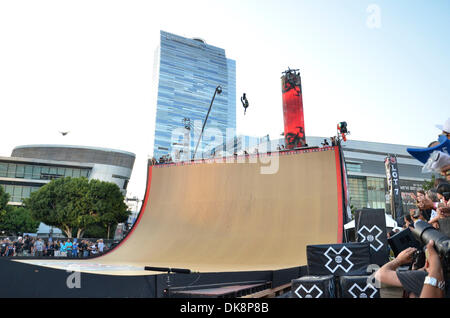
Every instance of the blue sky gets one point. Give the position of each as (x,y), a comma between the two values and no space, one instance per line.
(86,66)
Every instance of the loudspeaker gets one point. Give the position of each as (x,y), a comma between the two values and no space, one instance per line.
(314,287)
(350,259)
(370,226)
(402,240)
(358,287)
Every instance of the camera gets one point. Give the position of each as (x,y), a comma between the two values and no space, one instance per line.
(424,232)
(419,259)
(402,240)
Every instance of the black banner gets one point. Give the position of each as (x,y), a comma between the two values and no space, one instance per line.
(395,193)
(370,226)
(338,259)
(347,210)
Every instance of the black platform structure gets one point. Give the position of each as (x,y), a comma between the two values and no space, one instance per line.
(29,281)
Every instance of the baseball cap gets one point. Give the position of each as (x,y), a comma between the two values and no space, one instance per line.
(422,154)
(445,127)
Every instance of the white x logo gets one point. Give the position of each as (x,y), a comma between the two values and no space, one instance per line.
(308,293)
(362,292)
(338,259)
(371,236)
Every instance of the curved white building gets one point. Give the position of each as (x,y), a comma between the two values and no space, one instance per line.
(32,166)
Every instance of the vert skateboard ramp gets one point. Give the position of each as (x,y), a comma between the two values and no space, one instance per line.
(253,213)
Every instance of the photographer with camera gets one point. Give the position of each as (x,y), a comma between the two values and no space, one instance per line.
(437,258)
(428,267)
(410,280)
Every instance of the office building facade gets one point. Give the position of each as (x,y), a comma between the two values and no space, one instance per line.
(366,172)
(30,167)
(367,182)
(187,73)
(365,167)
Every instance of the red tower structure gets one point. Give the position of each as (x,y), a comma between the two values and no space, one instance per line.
(294,126)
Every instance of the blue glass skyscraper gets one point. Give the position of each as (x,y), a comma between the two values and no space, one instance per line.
(187,74)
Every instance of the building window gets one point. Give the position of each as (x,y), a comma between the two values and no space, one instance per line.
(68,172)
(376,193)
(357,188)
(18,192)
(36,172)
(28,172)
(3,169)
(84,173)
(353,167)
(10,190)
(11,170)
(20,171)
(26,191)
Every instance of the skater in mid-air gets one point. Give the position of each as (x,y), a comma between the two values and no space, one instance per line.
(244,102)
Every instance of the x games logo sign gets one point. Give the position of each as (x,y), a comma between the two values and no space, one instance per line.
(367,292)
(313,292)
(338,259)
(371,236)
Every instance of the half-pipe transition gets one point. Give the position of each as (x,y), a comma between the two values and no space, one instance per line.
(228,216)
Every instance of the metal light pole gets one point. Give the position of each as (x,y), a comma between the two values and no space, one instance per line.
(187,138)
(217,91)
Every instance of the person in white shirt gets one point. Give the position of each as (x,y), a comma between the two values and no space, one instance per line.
(100,246)
(93,249)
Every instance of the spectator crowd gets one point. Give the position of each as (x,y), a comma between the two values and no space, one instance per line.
(38,247)
(433,207)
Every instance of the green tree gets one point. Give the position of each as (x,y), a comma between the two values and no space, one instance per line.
(108,203)
(427,185)
(19,220)
(4,199)
(62,203)
(74,204)
(96,231)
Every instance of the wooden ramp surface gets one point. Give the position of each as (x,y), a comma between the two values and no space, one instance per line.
(216,217)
